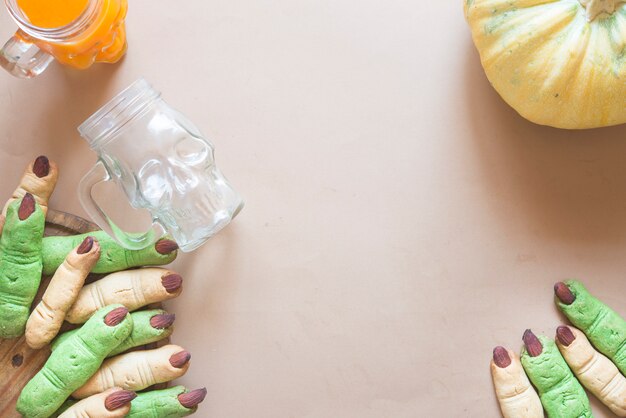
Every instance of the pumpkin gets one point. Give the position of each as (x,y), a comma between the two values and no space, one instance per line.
(560,63)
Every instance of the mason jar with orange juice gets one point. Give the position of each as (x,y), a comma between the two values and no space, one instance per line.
(76,33)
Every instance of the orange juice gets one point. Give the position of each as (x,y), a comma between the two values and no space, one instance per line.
(98,36)
(50,13)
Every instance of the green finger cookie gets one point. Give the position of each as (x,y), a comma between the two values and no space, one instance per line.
(74,362)
(20,266)
(160,403)
(143,332)
(603,326)
(560,393)
(113,257)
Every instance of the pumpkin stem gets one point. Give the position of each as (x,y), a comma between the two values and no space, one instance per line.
(596,7)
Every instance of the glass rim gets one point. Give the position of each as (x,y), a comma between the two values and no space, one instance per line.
(123,108)
(71,29)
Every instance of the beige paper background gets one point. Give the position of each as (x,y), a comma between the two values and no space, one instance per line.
(401,220)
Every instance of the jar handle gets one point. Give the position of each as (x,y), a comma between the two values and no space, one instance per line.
(132,241)
(22,58)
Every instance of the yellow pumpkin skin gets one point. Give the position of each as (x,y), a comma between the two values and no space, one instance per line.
(560,63)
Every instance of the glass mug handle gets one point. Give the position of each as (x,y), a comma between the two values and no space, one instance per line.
(132,241)
(22,58)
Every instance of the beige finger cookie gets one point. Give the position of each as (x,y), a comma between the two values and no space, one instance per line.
(595,371)
(138,370)
(132,288)
(39,179)
(46,319)
(114,403)
(515,394)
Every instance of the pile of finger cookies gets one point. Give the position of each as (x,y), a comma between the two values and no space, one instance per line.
(94,370)
(550,373)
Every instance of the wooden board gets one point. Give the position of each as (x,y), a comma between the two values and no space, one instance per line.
(18,362)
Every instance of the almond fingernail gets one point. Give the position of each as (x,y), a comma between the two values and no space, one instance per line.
(27,207)
(41,166)
(563,293)
(178,360)
(85,246)
(191,399)
(565,335)
(116,316)
(162,321)
(172,282)
(532,343)
(501,357)
(165,246)
(119,399)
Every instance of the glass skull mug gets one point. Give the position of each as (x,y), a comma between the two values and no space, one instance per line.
(163,164)
(75,32)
